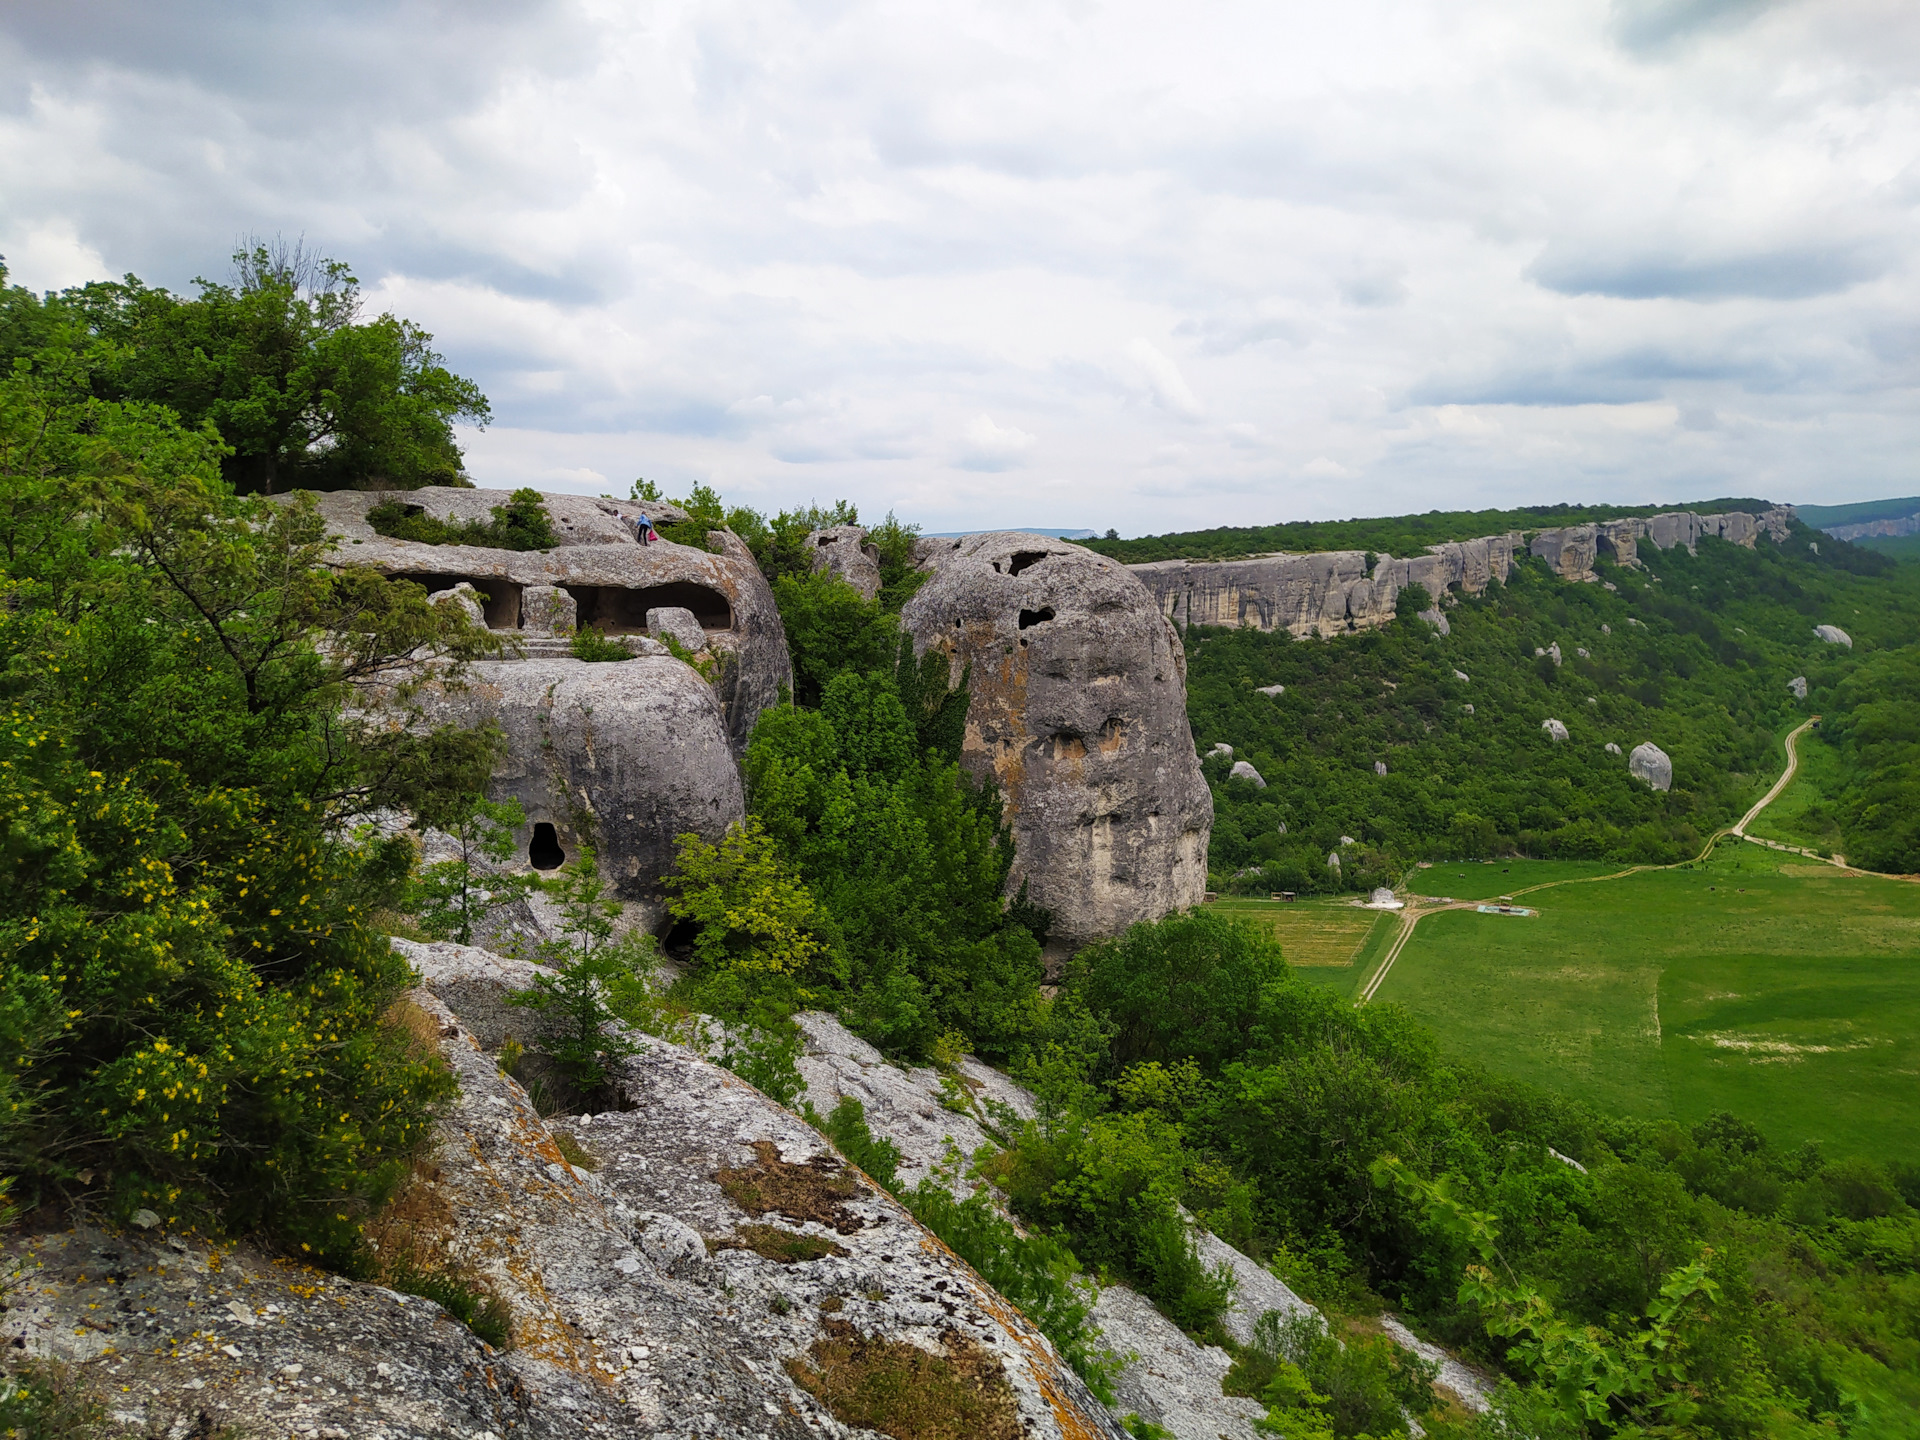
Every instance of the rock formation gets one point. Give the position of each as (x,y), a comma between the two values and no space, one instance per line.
(1437,620)
(608,576)
(1276,691)
(1834,635)
(1243,770)
(623,755)
(1798,687)
(1379,767)
(843,549)
(1556,731)
(1571,550)
(1612,749)
(1078,709)
(660,1293)
(1650,763)
(1322,594)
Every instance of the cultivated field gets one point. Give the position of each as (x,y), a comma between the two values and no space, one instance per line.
(1330,940)
(1787,992)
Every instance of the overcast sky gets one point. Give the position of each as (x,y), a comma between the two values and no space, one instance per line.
(1105,264)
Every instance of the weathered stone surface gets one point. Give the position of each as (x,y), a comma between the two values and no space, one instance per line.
(1553,653)
(1650,763)
(1568,551)
(612,579)
(843,549)
(1798,687)
(1556,731)
(719,1327)
(1461,676)
(1612,749)
(1320,594)
(1437,620)
(1473,1388)
(1379,767)
(1834,635)
(1172,1382)
(1467,709)
(680,623)
(1276,691)
(1333,859)
(1078,710)
(1220,748)
(1243,770)
(467,600)
(548,610)
(912,1107)
(622,755)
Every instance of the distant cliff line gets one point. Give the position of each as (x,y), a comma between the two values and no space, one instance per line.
(1333,592)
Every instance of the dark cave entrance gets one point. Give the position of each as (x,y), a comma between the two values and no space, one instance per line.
(545,852)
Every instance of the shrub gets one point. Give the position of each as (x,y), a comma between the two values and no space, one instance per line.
(591,644)
(520,524)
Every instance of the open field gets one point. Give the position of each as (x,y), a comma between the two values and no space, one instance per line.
(1332,941)
(1786,995)
(1490,879)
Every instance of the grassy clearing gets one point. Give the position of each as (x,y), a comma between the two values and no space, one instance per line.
(1805,812)
(1791,998)
(1490,879)
(1331,941)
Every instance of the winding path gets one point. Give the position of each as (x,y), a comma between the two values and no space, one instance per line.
(1416,911)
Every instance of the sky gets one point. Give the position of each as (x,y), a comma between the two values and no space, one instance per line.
(1148,267)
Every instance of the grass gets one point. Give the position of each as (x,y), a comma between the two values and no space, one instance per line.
(770,1242)
(1784,991)
(1331,941)
(901,1390)
(1804,813)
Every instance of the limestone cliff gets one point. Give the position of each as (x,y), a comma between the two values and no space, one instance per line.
(1078,709)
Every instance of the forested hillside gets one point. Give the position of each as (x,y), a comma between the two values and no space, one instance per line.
(1693,653)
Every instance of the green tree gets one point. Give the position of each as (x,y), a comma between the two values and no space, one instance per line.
(451,897)
(305,392)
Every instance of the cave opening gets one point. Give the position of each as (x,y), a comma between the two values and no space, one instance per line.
(1030,618)
(617,610)
(544,852)
(1023,559)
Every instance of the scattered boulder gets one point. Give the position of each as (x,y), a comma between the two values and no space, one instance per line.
(1078,710)
(1244,771)
(1556,731)
(1606,629)
(1612,749)
(1348,840)
(465,598)
(1798,687)
(621,756)
(600,565)
(1282,829)
(1274,690)
(1379,767)
(1221,748)
(1333,859)
(680,623)
(1383,898)
(1438,621)
(1461,676)
(1553,653)
(1583,652)
(843,549)
(548,610)
(1468,709)
(1834,635)
(1651,764)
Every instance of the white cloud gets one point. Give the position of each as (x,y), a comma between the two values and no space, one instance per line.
(1481,253)
(988,446)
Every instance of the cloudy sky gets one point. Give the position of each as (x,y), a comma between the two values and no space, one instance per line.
(1147,266)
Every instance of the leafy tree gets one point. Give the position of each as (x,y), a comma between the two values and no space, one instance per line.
(452,897)
(191,994)
(305,393)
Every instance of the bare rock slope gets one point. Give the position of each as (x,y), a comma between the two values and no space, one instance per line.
(643,1298)
(1079,711)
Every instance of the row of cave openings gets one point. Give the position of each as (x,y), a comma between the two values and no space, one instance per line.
(611,609)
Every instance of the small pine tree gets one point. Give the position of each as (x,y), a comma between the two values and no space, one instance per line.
(450,899)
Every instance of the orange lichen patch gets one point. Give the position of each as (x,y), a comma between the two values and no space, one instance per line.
(770,1242)
(812,1191)
(906,1392)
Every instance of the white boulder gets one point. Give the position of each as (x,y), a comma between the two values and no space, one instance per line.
(1651,764)
(1243,771)
(1555,730)
(1834,635)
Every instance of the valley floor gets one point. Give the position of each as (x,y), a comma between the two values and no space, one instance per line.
(1784,990)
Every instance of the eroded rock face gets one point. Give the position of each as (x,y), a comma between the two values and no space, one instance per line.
(1797,687)
(1556,731)
(611,579)
(1833,635)
(623,755)
(1243,770)
(1650,763)
(1078,711)
(1568,551)
(1321,594)
(843,549)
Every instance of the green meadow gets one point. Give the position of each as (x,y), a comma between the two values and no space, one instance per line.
(1785,991)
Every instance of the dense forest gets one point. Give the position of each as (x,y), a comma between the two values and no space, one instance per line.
(1691,652)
